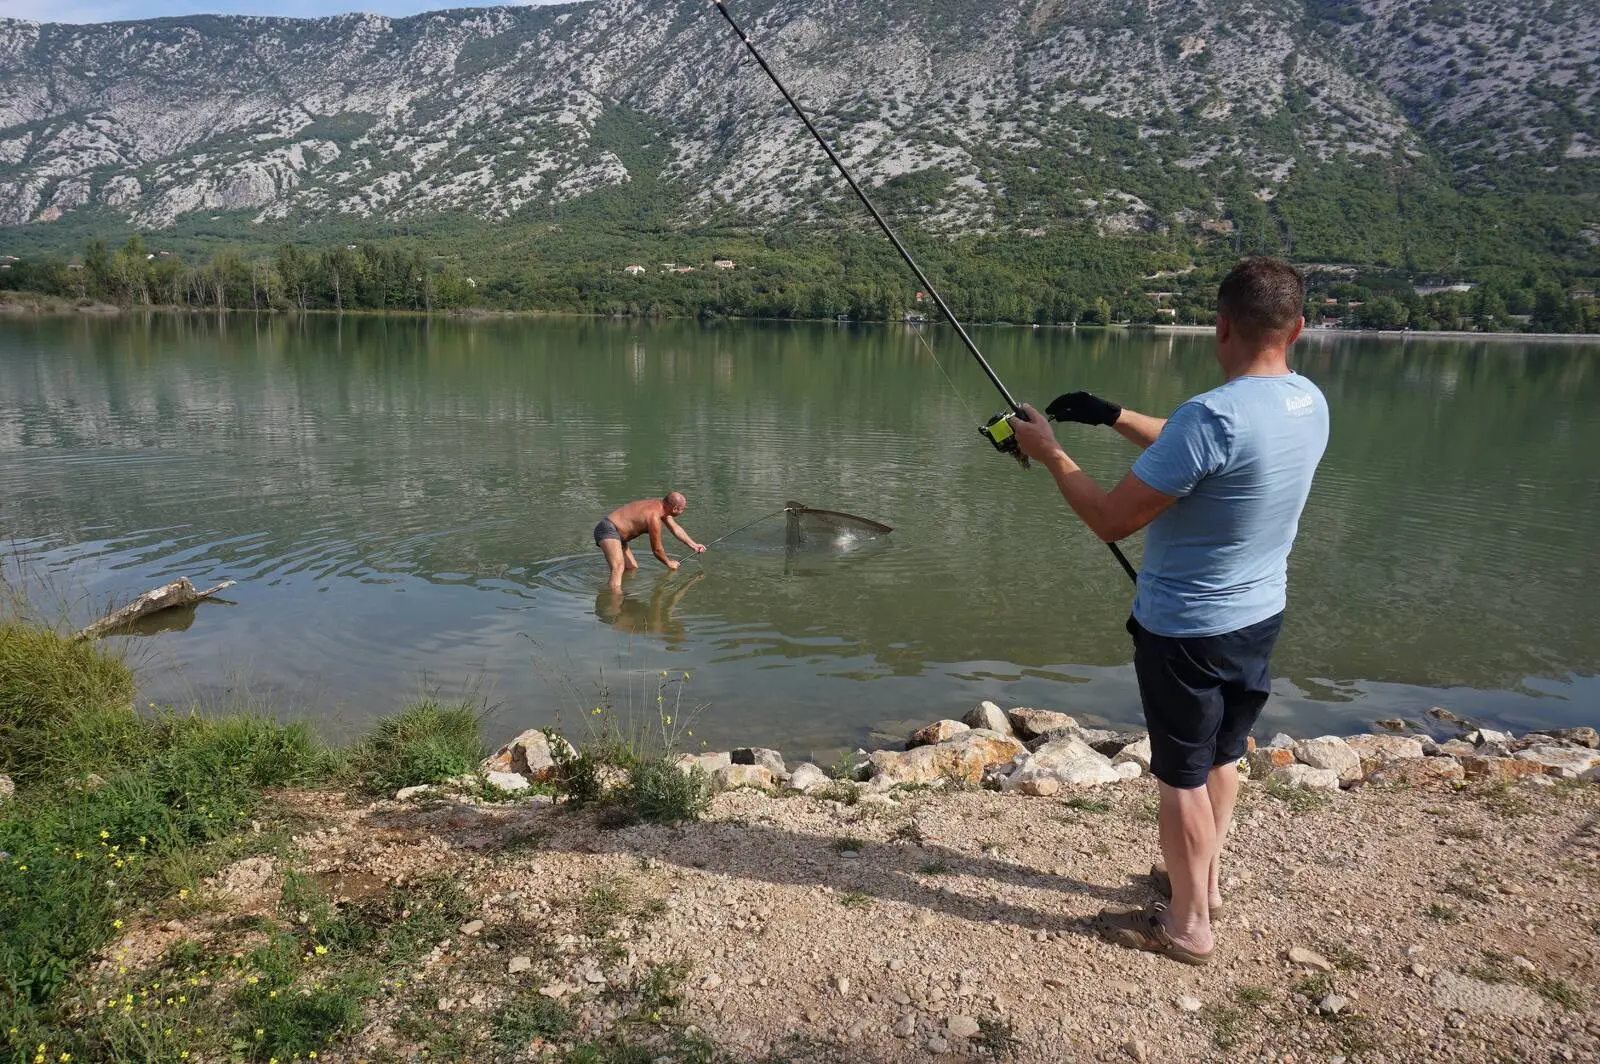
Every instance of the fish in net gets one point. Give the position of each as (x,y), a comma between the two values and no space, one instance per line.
(808,527)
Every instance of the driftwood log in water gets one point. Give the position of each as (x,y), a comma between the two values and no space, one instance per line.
(178,593)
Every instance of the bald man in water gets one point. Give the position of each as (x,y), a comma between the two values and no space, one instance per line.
(634,519)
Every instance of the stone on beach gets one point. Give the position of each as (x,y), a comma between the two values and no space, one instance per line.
(1263,759)
(728,777)
(507,781)
(807,777)
(963,758)
(1306,778)
(707,763)
(1112,743)
(989,717)
(1069,762)
(1582,736)
(1419,772)
(1568,762)
(770,760)
(937,732)
(1032,723)
(1137,752)
(1499,769)
(1375,750)
(530,754)
(1332,753)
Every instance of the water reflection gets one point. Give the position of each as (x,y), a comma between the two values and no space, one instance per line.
(625,613)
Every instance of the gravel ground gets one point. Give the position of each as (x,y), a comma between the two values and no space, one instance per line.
(1454,925)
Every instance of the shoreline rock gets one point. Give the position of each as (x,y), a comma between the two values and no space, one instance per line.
(1041,752)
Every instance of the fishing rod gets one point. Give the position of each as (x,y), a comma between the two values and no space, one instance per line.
(998,429)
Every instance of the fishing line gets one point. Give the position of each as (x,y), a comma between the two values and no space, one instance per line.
(973,414)
(998,429)
(764,517)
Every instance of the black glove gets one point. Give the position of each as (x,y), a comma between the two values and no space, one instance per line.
(1083,408)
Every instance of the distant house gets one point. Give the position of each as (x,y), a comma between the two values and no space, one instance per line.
(1221,227)
(1170,312)
(1034,232)
(723,264)
(349,247)
(634,269)
(471,283)
(684,269)
(1435,289)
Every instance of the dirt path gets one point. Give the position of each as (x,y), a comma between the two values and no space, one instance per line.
(1457,926)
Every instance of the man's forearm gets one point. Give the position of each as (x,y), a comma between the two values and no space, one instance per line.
(1139,429)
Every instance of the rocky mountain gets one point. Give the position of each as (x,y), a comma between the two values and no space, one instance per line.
(968,115)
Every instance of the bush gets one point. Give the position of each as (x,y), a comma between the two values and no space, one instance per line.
(428,743)
(660,792)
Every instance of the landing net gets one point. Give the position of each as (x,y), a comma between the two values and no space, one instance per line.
(828,529)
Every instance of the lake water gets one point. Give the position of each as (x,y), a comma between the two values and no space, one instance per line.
(407,507)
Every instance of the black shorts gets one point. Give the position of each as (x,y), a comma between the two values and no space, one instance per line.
(606,530)
(1202,696)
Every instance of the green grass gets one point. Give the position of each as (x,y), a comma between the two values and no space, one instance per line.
(1226,1025)
(66,707)
(659,792)
(1445,914)
(1297,799)
(848,845)
(1496,968)
(526,1017)
(935,868)
(427,743)
(1343,957)
(1253,995)
(661,986)
(854,899)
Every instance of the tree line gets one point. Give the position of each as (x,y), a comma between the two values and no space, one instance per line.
(1062,280)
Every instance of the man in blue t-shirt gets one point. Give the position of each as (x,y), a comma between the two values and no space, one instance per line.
(1221,485)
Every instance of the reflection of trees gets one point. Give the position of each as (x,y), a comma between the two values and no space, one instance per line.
(1447,537)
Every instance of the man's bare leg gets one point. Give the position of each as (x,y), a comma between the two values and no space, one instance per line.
(1222,788)
(1189,844)
(631,561)
(614,552)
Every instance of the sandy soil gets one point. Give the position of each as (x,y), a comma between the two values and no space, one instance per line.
(1458,926)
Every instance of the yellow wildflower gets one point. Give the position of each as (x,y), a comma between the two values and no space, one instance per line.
(117,924)
(322,950)
(105,834)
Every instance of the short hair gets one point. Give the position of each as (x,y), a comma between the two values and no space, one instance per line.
(1262,295)
(675,500)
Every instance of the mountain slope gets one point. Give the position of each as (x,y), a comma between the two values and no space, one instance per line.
(967,116)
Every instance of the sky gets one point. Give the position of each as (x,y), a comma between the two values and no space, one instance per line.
(116,10)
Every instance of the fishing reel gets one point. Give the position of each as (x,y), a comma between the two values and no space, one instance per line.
(998,431)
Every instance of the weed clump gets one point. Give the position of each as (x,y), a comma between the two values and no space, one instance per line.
(427,743)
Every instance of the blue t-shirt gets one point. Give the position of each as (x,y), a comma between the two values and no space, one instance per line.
(1239,459)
